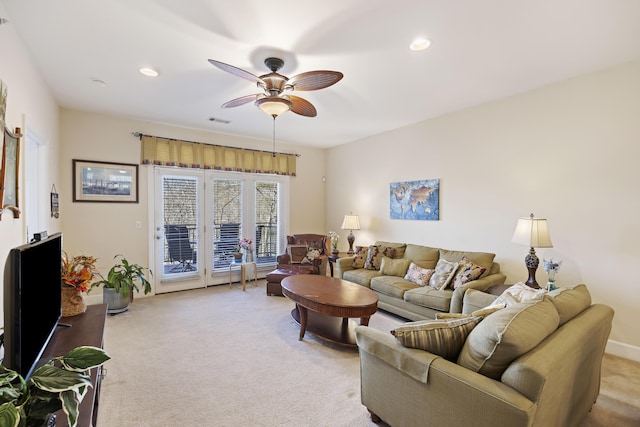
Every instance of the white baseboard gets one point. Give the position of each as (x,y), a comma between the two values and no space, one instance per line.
(623,350)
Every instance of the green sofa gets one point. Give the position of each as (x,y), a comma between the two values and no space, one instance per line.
(406,299)
(548,376)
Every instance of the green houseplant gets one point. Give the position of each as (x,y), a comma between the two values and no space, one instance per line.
(123,278)
(59,384)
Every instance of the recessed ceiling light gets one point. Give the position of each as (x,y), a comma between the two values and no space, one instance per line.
(419,44)
(149,72)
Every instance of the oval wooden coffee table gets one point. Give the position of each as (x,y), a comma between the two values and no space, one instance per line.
(324,306)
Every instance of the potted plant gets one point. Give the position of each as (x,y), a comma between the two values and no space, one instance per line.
(121,281)
(77,272)
(59,384)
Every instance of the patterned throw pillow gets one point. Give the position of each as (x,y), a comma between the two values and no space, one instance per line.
(467,272)
(442,337)
(312,253)
(418,275)
(445,270)
(375,254)
(483,312)
(360,256)
(297,253)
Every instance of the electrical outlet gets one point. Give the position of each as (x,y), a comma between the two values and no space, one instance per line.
(138,225)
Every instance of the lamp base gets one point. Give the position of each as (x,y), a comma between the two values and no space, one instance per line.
(351,238)
(532,262)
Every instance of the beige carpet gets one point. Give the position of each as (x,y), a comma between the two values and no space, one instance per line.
(223,357)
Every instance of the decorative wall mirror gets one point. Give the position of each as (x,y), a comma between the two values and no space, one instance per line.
(9,172)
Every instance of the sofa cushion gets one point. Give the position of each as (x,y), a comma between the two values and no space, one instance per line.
(442,337)
(570,301)
(483,259)
(443,275)
(399,247)
(375,254)
(360,256)
(394,267)
(424,256)
(426,296)
(360,276)
(507,334)
(467,271)
(392,285)
(297,253)
(418,275)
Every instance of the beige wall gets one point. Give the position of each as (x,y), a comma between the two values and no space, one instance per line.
(30,105)
(567,152)
(106,229)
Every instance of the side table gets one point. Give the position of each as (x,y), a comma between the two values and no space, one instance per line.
(245,268)
(334,257)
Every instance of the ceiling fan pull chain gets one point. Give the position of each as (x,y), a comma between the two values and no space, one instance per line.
(274,137)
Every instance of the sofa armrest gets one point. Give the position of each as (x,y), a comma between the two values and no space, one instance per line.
(481,284)
(342,265)
(384,346)
(283,259)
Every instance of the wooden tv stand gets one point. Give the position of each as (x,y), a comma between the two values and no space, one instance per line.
(86,329)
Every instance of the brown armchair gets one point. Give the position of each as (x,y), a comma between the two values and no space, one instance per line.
(297,246)
(316,241)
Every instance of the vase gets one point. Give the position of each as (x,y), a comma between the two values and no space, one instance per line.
(72,301)
(249,256)
(116,302)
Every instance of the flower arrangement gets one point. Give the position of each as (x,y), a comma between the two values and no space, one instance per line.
(334,241)
(78,271)
(245,244)
(551,268)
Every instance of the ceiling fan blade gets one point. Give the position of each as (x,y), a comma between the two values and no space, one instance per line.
(314,80)
(242,100)
(302,106)
(236,71)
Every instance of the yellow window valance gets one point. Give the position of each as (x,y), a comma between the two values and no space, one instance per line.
(186,154)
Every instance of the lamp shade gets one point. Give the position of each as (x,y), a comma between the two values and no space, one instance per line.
(351,222)
(532,232)
(273,105)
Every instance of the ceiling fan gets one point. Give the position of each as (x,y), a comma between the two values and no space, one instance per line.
(274,100)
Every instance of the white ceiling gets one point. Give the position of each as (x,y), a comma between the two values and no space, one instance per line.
(481,50)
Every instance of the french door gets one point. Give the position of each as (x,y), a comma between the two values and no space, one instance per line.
(200,217)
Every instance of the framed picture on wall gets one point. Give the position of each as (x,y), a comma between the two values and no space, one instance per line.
(418,200)
(9,171)
(95,181)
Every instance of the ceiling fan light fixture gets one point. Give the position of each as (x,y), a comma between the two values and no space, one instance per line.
(274,106)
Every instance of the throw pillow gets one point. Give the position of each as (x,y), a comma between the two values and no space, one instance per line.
(467,272)
(519,293)
(483,312)
(394,267)
(312,253)
(506,335)
(375,254)
(418,275)
(445,271)
(297,253)
(360,256)
(442,337)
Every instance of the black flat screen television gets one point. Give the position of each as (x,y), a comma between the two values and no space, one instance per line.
(32,302)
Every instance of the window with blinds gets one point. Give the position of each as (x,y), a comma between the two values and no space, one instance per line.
(267,224)
(227,219)
(180,215)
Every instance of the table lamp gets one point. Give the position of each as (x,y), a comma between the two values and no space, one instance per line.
(532,232)
(351,222)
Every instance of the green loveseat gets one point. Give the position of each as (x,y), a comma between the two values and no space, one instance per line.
(405,298)
(540,367)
